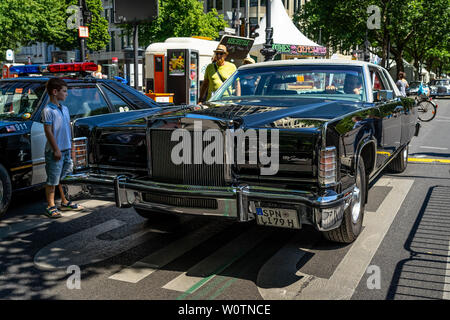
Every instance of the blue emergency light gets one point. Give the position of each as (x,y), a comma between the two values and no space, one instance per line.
(29,68)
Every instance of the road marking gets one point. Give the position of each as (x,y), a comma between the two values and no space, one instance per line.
(84,247)
(436,148)
(188,282)
(347,275)
(427,160)
(164,256)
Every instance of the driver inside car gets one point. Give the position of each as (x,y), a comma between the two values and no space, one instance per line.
(352,85)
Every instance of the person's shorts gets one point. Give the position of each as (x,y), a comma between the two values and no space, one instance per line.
(57,170)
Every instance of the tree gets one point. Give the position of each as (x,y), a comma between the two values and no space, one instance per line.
(343,23)
(181,18)
(55,30)
(432,19)
(26,21)
(18,21)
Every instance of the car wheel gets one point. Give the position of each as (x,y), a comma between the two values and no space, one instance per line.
(5,190)
(351,225)
(400,162)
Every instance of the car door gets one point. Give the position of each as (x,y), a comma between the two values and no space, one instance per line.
(409,115)
(390,114)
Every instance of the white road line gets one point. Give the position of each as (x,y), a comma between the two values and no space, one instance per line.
(162,257)
(84,247)
(349,272)
(437,148)
(219,260)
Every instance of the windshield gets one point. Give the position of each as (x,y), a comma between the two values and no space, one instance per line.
(19,100)
(297,81)
(414,84)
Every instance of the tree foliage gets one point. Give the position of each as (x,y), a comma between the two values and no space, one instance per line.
(181,18)
(403,22)
(26,21)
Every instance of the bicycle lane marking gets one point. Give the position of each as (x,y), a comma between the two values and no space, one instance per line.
(198,275)
(146,266)
(352,267)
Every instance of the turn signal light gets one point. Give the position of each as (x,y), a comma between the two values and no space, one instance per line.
(327,166)
(80,155)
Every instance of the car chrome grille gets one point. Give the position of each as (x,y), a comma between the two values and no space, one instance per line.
(180,201)
(163,169)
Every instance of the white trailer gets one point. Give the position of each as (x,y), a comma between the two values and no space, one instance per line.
(204,47)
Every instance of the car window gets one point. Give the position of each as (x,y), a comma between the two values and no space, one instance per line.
(117,103)
(19,100)
(85,101)
(377,80)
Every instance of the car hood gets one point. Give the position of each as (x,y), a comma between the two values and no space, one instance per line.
(282,113)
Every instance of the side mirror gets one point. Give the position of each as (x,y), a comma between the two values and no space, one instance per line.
(383,95)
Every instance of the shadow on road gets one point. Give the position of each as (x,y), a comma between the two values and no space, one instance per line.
(423,274)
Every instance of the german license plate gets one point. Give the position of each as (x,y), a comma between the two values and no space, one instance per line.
(276,217)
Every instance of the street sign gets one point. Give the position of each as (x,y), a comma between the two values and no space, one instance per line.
(83,32)
(230,30)
(9,55)
(238,47)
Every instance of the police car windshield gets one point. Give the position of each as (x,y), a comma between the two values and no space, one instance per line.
(19,100)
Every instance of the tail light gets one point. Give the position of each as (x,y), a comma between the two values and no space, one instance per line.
(327,166)
(80,154)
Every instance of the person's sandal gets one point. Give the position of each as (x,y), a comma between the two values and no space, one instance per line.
(52,213)
(70,206)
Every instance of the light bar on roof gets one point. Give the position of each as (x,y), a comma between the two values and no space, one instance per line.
(54,68)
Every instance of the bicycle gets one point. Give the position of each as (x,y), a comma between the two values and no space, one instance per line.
(426,108)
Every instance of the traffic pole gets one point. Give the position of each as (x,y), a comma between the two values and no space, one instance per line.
(82,40)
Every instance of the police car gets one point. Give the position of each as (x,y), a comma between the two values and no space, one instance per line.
(22,99)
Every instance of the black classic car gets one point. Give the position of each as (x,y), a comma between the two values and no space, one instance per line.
(282,143)
(22,99)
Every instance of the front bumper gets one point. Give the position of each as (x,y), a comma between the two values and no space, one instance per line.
(236,202)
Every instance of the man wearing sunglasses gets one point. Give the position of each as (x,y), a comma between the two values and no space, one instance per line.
(216,73)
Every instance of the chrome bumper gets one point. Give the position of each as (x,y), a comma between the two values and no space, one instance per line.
(236,202)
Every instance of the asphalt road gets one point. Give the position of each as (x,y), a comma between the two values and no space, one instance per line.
(110,253)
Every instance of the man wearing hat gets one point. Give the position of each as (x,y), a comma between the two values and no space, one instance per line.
(216,73)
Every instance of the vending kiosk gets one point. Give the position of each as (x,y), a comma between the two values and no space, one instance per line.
(182,75)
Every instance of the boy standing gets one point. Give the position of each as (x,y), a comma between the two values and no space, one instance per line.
(58,161)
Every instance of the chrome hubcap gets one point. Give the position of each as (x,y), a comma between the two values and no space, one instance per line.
(405,154)
(356,200)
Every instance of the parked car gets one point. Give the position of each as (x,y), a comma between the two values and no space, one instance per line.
(335,125)
(440,87)
(413,88)
(22,99)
